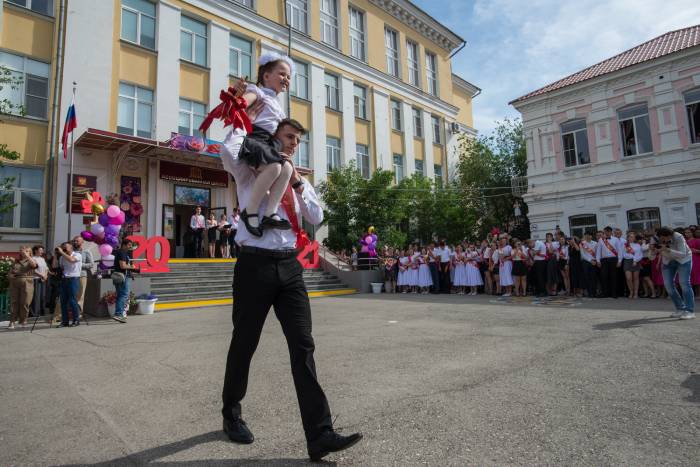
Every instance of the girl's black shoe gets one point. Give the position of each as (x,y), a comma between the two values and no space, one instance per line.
(270,222)
(255,231)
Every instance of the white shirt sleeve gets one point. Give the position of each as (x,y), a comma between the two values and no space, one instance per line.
(309,205)
(229,156)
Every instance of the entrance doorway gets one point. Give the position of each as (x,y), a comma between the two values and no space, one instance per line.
(182,243)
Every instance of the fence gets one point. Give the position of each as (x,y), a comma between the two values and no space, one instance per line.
(4,306)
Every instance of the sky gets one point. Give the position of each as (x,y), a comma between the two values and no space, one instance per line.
(517,46)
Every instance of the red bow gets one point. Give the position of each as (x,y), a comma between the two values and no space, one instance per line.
(231,111)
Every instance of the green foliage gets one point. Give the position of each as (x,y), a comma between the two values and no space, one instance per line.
(8,79)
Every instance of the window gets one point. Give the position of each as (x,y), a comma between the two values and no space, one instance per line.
(643,219)
(246,3)
(297,14)
(391,42)
(398,168)
(438,175)
(360,98)
(332,92)
(139,22)
(45,7)
(583,224)
(635,130)
(329,22)
(437,129)
(413,65)
(135,111)
(300,80)
(193,41)
(31,96)
(574,137)
(191,116)
(240,52)
(692,108)
(431,73)
(420,167)
(357,34)
(396,115)
(417,123)
(697,213)
(301,157)
(332,153)
(362,153)
(26,195)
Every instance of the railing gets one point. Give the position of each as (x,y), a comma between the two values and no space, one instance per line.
(344,264)
(4,306)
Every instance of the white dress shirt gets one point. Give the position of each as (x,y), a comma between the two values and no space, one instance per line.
(678,250)
(589,255)
(445,254)
(306,204)
(233,220)
(41,268)
(196,221)
(636,254)
(71,269)
(539,251)
(271,113)
(604,252)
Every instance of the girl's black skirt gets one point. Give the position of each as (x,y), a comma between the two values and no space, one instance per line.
(260,148)
(519,268)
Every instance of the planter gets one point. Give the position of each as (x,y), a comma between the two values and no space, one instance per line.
(376,287)
(110,308)
(147,307)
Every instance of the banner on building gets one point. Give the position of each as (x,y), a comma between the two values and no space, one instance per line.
(193,174)
(195,144)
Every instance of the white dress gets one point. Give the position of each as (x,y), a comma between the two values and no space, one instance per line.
(505,267)
(460,279)
(472,270)
(401,279)
(425,279)
(413,272)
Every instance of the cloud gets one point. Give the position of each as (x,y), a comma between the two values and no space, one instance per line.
(514,46)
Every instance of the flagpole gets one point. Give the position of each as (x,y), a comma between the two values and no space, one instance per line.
(70,177)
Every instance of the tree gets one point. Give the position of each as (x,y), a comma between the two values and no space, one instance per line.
(11,80)
(486,168)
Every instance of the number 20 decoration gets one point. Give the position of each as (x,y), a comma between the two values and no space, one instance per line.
(148,246)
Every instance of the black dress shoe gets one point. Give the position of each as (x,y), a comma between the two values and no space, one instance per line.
(75,323)
(330,441)
(237,431)
(268,222)
(255,231)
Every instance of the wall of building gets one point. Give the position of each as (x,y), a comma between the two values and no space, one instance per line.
(668,178)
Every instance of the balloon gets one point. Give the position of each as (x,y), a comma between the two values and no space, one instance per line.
(103,219)
(113,211)
(108,260)
(87,235)
(105,250)
(98,240)
(119,220)
(97,229)
(112,229)
(97,209)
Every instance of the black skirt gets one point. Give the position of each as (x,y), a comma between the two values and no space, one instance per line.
(519,268)
(211,234)
(260,148)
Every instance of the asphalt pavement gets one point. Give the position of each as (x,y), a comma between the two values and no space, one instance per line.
(430,380)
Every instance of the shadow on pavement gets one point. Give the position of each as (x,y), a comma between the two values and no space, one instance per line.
(151,456)
(692,383)
(631,323)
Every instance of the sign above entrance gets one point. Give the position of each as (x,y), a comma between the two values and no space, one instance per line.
(193,174)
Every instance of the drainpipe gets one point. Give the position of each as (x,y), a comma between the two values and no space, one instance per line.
(55,115)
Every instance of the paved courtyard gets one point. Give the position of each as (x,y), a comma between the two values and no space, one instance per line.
(430,380)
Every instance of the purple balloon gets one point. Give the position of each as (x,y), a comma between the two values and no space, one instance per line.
(97,230)
(112,229)
(103,219)
(87,235)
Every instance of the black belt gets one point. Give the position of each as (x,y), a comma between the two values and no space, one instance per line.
(279,254)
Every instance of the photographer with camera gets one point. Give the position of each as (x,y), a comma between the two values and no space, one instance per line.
(123,270)
(71,263)
(677,259)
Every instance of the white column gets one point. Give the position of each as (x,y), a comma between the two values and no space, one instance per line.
(409,149)
(155,215)
(318,123)
(168,70)
(380,106)
(348,105)
(428,161)
(218,73)
(452,151)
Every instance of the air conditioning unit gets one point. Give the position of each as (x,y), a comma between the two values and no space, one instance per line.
(454,127)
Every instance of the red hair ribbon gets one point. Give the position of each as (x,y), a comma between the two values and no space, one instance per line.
(231,111)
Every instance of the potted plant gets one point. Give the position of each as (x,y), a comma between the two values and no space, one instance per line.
(109,299)
(5,266)
(147,303)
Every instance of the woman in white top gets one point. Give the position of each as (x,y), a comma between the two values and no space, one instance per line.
(401,282)
(472,269)
(505,258)
(631,257)
(425,279)
(460,278)
(413,255)
(41,275)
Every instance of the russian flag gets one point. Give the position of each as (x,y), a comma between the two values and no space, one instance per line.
(70,125)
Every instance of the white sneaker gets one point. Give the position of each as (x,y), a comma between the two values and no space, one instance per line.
(677,314)
(688,316)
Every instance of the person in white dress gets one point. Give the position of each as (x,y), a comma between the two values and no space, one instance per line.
(460,277)
(402,281)
(413,272)
(505,265)
(472,269)
(425,279)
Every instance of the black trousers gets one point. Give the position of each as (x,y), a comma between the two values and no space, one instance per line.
(435,275)
(198,235)
(540,273)
(590,279)
(445,284)
(260,282)
(608,277)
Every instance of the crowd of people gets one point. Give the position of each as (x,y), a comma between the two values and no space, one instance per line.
(220,234)
(605,264)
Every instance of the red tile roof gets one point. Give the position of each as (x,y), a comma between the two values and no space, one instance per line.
(665,44)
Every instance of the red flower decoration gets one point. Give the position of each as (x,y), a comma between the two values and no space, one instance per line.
(91,198)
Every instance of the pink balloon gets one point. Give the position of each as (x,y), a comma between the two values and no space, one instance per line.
(105,250)
(119,219)
(113,211)
(97,229)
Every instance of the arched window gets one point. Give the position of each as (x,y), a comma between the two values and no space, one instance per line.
(692,108)
(643,219)
(583,223)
